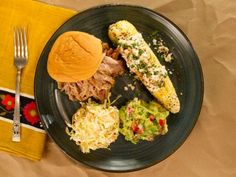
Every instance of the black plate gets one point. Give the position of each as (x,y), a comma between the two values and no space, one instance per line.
(54,106)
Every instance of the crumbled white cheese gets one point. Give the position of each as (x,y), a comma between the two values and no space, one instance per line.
(135,51)
(168,58)
(137,59)
(163,49)
(131,86)
(154,41)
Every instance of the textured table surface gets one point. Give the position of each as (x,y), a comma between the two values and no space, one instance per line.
(210,150)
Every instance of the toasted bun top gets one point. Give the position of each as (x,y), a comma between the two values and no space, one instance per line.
(74,56)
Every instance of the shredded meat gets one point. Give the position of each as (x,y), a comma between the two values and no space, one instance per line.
(110,52)
(100,84)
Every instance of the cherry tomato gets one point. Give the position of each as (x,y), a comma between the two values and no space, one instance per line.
(135,127)
(151,117)
(161,122)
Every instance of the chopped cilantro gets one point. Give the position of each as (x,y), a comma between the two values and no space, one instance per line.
(154,33)
(155,72)
(135,57)
(134,44)
(140,52)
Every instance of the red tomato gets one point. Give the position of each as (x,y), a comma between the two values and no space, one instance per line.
(134,127)
(140,131)
(161,122)
(151,117)
(130,110)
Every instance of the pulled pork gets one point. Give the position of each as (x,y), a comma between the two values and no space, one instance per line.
(100,84)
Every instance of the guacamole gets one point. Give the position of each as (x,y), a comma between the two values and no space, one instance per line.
(140,120)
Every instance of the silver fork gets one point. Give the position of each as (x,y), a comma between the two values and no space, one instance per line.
(20,60)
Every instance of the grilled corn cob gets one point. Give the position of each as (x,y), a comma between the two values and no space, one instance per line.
(141,60)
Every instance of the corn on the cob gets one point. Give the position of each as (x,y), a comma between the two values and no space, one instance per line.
(141,60)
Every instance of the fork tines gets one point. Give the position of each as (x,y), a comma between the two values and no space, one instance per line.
(20,43)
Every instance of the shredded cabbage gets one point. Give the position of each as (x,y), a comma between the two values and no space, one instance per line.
(94,126)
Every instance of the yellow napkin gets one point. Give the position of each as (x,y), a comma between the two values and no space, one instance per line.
(42,20)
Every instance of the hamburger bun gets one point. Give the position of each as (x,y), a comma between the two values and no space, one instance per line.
(74,56)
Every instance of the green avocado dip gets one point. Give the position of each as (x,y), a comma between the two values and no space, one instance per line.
(142,121)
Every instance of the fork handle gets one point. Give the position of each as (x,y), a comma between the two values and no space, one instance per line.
(16,118)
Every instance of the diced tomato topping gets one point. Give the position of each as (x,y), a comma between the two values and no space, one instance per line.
(161,122)
(136,128)
(130,110)
(151,117)
(140,131)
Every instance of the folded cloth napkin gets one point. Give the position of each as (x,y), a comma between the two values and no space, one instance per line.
(41,20)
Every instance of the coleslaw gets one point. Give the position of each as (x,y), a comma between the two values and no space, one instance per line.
(94,126)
